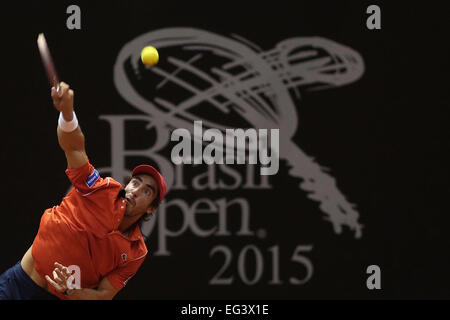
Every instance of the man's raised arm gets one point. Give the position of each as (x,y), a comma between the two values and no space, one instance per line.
(70,136)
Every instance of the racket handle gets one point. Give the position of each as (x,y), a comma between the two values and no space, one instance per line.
(56,85)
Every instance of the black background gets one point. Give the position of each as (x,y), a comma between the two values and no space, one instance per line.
(383,136)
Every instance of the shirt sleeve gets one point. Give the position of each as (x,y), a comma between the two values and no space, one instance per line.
(93,201)
(120,276)
(85,179)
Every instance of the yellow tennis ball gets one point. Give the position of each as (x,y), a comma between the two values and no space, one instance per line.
(149,56)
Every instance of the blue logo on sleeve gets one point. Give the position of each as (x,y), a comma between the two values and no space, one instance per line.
(92,178)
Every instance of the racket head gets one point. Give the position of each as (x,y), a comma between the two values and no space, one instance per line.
(47,61)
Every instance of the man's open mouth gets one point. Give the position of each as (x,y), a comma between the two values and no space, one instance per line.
(130,200)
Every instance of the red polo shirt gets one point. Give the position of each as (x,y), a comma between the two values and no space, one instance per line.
(82,232)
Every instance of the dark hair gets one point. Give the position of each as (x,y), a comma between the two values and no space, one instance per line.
(155,202)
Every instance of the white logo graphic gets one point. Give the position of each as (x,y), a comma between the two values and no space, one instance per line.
(74,281)
(218,80)
(374,280)
(234,139)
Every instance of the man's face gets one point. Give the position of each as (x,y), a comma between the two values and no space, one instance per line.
(140,193)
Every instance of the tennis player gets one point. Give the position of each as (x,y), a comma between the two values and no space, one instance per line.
(90,245)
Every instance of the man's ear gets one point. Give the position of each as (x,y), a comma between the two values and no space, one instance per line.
(149,210)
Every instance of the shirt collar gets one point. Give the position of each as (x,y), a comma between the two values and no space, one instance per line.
(122,193)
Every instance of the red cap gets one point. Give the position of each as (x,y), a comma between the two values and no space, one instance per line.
(151,171)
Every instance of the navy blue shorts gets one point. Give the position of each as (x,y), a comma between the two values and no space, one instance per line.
(15,284)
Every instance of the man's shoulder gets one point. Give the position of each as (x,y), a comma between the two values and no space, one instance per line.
(112,182)
(101,185)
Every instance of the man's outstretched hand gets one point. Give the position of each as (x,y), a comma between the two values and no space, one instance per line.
(62,278)
(63,101)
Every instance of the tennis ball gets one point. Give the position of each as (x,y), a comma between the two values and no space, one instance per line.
(149,56)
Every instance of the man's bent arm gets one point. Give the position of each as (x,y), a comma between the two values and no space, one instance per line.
(105,291)
(61,275)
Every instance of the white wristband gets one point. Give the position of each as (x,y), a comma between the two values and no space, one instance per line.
(67,126)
